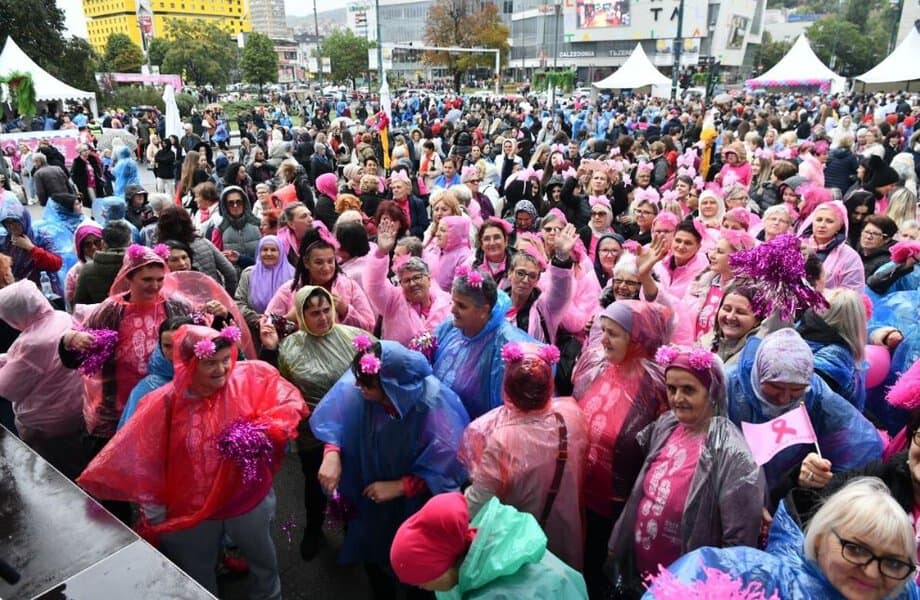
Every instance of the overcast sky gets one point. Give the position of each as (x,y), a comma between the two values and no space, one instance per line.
(76,22)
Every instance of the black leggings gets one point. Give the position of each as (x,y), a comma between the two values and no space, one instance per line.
(597,535)
(314,498)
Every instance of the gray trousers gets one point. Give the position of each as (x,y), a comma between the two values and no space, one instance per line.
(196,550)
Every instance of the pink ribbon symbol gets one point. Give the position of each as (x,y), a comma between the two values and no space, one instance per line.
(780,429)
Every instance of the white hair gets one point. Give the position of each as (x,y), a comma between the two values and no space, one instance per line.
(864,509)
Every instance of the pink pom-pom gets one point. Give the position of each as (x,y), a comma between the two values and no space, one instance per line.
(369,364)
(511,352)
(231,333)
(161,250)
(714,584)
(666,355)
(474,279)
(247,445)
(462,271)
(205,349)
(101,350)
(549,353)
(362,343)
(627,180)
(700,359)
(905,393)
(901,251)
(136,252)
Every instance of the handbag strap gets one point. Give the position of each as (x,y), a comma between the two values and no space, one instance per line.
(561,458)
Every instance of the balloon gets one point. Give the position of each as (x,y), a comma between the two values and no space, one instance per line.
(879,363)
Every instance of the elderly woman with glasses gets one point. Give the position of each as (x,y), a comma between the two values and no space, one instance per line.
(875,242)
(776,221)
(598,226)
(858,546)
(415,307)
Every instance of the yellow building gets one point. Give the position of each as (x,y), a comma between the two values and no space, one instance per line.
(105,17)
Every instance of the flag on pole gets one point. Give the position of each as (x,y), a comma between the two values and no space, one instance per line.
(385,108)
(789,429)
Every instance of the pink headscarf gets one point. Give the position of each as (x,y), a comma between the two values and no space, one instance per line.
(327,184)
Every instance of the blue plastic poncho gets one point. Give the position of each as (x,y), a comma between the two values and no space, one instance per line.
(113,208)
(846,437)
(473,367)
(23,265)
(125,171)
(59,225)
(375,446)
(838,367)
(782,570)
(159,373)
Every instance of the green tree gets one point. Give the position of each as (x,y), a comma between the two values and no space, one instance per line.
(202,52)
(157,49)
(844,47)
(347,53)
(77,65)
(37,28)
(770,52)
(122,55)
(464,24)
(260,61)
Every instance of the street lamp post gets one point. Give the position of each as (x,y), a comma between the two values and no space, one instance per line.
(557,9)
(678,47)
(319,52)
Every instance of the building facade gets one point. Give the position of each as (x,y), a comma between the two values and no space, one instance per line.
(268,17)
(143,20)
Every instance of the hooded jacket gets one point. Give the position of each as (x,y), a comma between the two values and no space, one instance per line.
(240,234)
(782,571)
(508,559)
(159,373)
(420,437)
(29,264)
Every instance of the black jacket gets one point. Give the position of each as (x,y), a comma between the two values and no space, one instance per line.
(840,170)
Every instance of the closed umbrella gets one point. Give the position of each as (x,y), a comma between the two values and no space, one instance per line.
(173,120)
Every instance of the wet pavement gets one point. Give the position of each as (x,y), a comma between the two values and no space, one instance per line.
(64,545)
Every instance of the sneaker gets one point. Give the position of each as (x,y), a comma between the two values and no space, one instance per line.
(310,544)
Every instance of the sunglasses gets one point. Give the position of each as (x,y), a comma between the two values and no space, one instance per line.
(234,203)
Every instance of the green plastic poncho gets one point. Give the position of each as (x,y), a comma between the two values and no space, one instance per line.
(314,361)
(508,559)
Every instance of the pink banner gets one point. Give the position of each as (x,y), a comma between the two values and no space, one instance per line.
(175,80)
(789,429)
(65,140)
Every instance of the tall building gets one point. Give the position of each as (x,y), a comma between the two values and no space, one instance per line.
(143,20)
(268,17)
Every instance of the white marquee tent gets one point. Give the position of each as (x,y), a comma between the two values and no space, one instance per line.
(799,68)
(902,65)
(637,72)
(47,87)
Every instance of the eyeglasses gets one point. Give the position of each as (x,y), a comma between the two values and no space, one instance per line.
(609,251)
(644,212)
(859,555)
(522,274)
(598,213)
(234,203)
(417,278)
(474,180)
(551,229)
(626,282)
(873,234)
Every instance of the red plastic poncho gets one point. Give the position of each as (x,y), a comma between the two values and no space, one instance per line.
(167,453)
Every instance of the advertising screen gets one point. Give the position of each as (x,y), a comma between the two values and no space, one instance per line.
(603,20)
(593,14)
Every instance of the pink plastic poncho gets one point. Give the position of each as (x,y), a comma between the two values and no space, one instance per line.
(512,454)
(401,321)
(167,453)
(456,252)
(677,279)
(46,396)
(843,266)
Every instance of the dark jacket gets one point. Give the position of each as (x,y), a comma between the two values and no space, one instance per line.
(840,170)
(50,181)
(418,217)
(97,276)
(874,259)
(164,163)
(79,172)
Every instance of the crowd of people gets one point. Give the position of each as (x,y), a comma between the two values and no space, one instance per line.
(513,347)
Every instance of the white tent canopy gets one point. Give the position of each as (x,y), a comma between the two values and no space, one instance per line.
(638,71)
(901,65)
(800,67)
(47,87)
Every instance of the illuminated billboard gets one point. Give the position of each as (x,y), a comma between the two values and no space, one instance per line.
(594,14)
(603,20)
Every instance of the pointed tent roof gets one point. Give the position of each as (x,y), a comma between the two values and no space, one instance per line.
(47,87)
(638,71)
(800,66)
(901,65)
